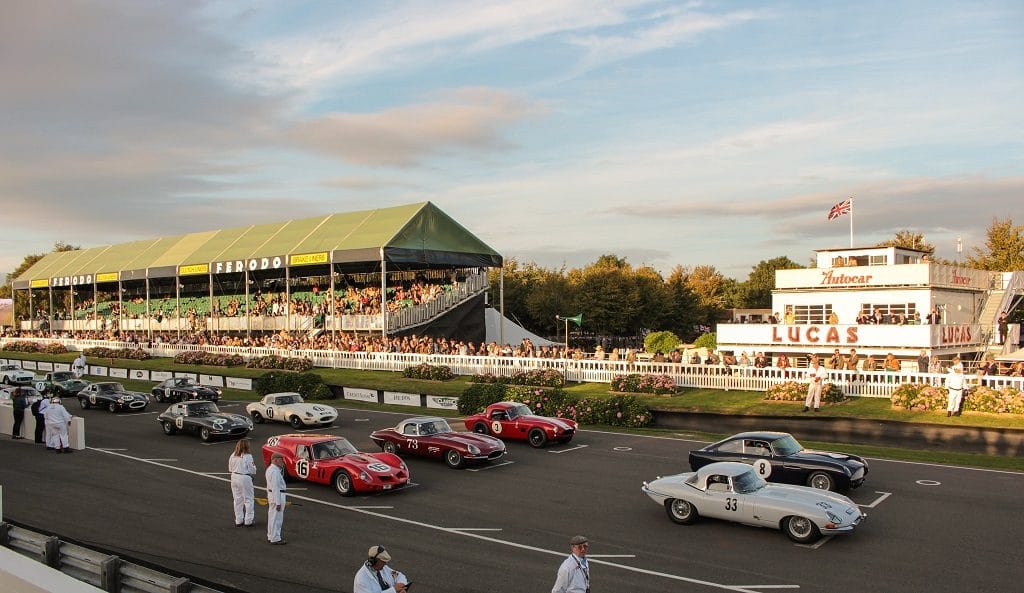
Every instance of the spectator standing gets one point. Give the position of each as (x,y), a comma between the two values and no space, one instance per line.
(922,362)
(835,361)
(242,469)
(852,360)
(275,499)
(375,576)
(57,419)
(39,411)
(816,380)
(870,364)
(955,386)
(1004,327)
(18,402)
(574,572)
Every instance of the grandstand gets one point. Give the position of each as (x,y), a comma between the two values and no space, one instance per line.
(408,268)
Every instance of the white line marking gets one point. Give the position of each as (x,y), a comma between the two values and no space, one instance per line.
(106,449)
(369,507)
(369,513)
(487,467)
(883,496)
(817,545)
(611,555)
(763,586)
(460,529)
(159,459)
(361,419)
(928,483)
(212,443)
(567,450)
(976,469)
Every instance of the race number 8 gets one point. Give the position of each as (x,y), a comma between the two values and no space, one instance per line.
(763,468)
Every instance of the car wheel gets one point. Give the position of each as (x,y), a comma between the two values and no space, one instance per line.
(112,407)
(84,403)
(821,481)
(168,428)
(800,529)
(453,458)
(257,418)
(480,428)
(681,511)
(390,447)
(343,483)
(159,396)
(295,422)
(204,433)
(538,438)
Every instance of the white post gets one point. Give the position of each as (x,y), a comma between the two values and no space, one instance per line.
(851,222)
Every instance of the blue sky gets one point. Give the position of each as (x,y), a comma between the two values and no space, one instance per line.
(665,132)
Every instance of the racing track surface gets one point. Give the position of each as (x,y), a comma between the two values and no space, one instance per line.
(166,500)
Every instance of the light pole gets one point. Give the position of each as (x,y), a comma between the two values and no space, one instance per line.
(959,248)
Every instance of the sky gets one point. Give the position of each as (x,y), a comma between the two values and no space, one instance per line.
(667,133)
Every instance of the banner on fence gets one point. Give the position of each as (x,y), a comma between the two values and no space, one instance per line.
(45,366)
(212,380)
(28,364)
(235,383)
(363,395)
(442,403)
(140,374)
(160,375)
(60,366)
(401,399)
(97,371)
(119,373)
(193,376)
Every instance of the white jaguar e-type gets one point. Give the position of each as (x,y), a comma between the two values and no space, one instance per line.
(289,407)
(734,492)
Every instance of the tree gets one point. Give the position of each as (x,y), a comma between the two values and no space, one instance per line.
(909,239)
(604,292)
(663,342)
(550,295)
(21,307)
(684,311)
(1004,248)
(757,290)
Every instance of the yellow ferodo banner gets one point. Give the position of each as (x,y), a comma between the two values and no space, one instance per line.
(305,259)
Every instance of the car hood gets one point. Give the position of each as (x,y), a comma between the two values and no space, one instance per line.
(828,457)
(362,459)
(222,418)
(545,421)
(311,408)
(805,495)
(484,442)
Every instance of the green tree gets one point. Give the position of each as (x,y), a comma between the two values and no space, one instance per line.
(550,295)
(757,290)
(909,239)
(663,342)
(1004,248)
(21,306)
(520,279)
(603,292)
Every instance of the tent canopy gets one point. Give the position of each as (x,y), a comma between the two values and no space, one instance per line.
(410,236)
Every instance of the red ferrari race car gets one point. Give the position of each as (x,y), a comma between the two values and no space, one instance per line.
(327,459)
(432,437)
(514,420)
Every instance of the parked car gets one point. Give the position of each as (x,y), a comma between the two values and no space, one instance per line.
(327,459)
(59,383)
(203,418)
(289,407)
(12,374)
(734,492)
(433,437)
(516,421)
(7,394)
(778,457)
(184,388)
(112,396)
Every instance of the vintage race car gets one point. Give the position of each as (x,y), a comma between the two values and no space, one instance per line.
(12,374)
(778,457)
(514,420)
(289,407)
(59,383)
(112,396)
(184,388)
(432,437)
(205,419)
(734,492)
(7,396)
(327,459)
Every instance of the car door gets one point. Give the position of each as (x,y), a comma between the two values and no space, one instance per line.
(500,424)
(722,502)
(270,408)
(758,453)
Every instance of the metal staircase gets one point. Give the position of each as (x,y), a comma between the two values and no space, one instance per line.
(1005,296)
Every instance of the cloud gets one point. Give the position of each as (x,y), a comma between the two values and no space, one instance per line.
(465,119)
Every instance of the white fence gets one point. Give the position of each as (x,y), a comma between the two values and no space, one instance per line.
(855,383)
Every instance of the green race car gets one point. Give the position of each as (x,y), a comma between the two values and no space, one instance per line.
(60,383)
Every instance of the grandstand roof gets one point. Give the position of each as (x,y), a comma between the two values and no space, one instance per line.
(413,235)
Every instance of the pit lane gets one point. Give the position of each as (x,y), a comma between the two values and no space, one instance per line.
(166,500)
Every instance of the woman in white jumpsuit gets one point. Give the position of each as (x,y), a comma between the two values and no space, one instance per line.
(57,419)
(242,469)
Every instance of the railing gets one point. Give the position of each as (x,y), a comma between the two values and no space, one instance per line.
(107,572)
(403,318)
(857,383)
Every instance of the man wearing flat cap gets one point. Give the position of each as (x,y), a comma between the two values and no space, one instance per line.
(275,499)
(574,573)
(375,576)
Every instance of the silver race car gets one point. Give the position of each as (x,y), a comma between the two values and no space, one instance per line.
(734,492)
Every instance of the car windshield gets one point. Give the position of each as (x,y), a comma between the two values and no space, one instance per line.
(437,426)
(202,409)
(186,382)
(520,410)
(335,448)
(110,387)
(63,376)
(9,367)
(787,445)
(748,482)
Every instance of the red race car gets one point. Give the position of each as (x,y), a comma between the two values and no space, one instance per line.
(327,459)
(432,437)
(514,420)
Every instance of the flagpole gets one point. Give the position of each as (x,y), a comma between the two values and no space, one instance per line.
(851,222)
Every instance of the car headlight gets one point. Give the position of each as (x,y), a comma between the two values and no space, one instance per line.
(473,449)
(364,476)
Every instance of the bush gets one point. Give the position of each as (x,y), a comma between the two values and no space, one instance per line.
(793,391)
(919,397)
(621,410)
(126,353)
(646,383)
(54,348)
(430,372)
(663,342)
(280,362)
(708,340)
(209,359)
(538,377)
(478,396)
(923,398)
(310,385)
(22,347)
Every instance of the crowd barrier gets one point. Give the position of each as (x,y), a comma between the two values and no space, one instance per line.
(76,432)
(97,570)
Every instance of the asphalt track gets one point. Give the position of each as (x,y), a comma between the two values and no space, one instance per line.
(505,527)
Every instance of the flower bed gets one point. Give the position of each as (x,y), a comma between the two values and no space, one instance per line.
(647,383)
(619,410)
(209,359)
(49,348)
(126,353)
(430,372)
(537,377)
(923,398)
(280,362)
(794,391)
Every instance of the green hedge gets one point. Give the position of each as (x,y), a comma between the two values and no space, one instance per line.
(430,372)
(644,383)
(538,377)
(125,353)
(922,398)
(209,359)
(794,391)
(48,348)
(280,362)
(310,385)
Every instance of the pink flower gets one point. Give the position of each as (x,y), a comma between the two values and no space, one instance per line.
(618,414)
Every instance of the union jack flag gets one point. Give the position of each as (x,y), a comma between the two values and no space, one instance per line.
(840,209)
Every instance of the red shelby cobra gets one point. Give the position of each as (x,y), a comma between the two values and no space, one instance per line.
(327,459)
(514,420)
(432,437)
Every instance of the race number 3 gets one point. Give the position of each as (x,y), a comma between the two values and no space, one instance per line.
(763,467)
(496,427)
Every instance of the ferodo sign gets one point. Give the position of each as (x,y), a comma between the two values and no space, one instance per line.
(813,334)
(253,265)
